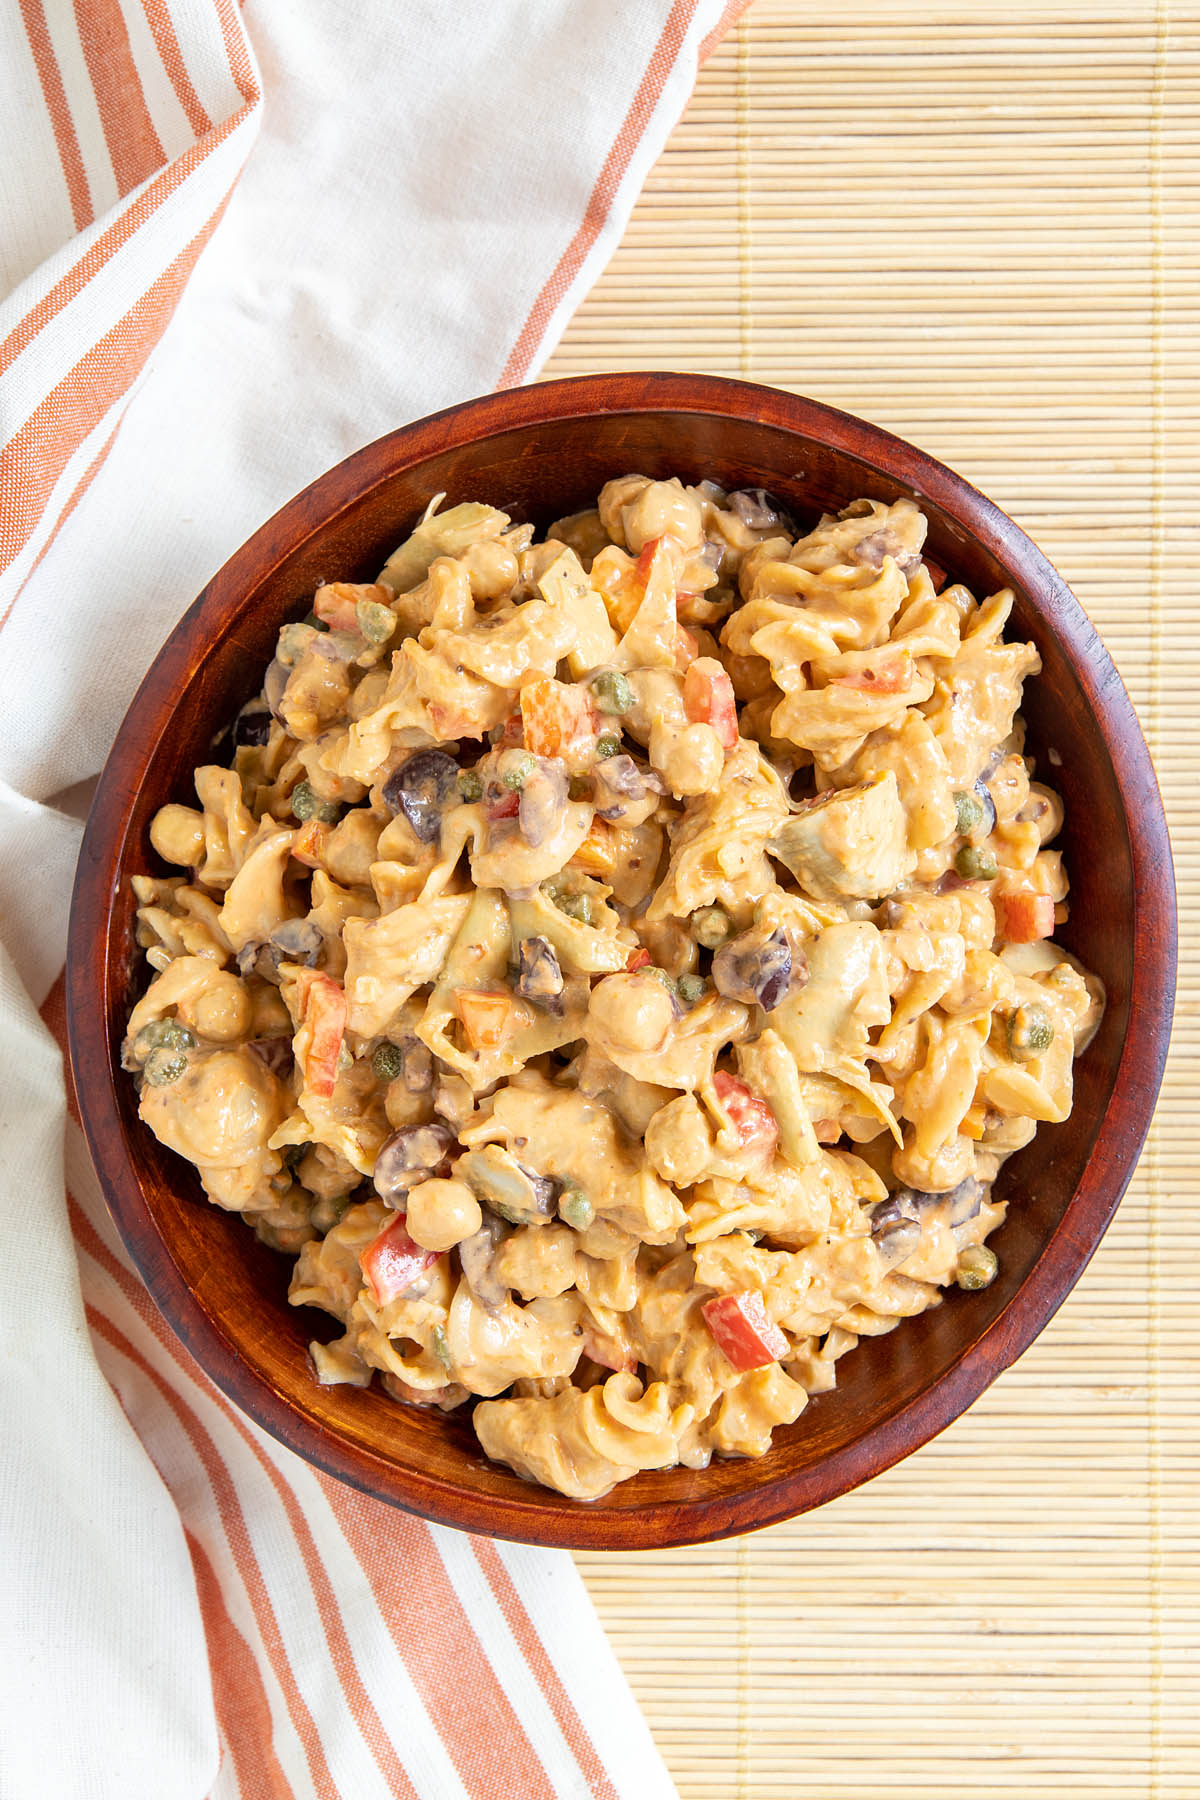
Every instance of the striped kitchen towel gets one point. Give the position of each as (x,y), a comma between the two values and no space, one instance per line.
(236,243)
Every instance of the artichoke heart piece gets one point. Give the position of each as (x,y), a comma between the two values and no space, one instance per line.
(442,534)
(848,843)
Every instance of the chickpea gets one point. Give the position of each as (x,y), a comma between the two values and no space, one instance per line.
(442,1213)
(177,833)
(635,1011)
(951,1163)
(492,567)
(690,761)
(679,1144)
(221,1011)
(662,507)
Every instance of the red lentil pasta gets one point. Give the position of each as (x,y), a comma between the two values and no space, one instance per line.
(617,966)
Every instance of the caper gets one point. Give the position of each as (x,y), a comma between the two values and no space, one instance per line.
(1030,1032)
(387,1062)
(308,805)
(968,813)
(163,1034)
(165,1065)
(293,642)
(376,621)
(608,744)
(518,773)
(974,864)
(977,1267)
(574,1207)
(711,925)
(613,691)
(689,988)
(470,785)
(326,1213)
(653,969)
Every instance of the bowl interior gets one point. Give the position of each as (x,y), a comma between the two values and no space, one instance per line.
(226,1294)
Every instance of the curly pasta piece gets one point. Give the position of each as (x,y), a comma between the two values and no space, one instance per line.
(584,1443)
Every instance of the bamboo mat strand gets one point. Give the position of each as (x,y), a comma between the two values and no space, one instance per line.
(979,228)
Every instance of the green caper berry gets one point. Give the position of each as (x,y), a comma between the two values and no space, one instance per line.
(668,981)
(1030,1032)
(974,864)
(608,745)
(576,906)
(376,621)
(613,692)
(308,805)
(326,1213)
(574,1208)
(977,1267)
(164,1065)
(163,1034)
(387,1062)
(312,619)
(968,814)
(689,988)
(293,642)
(580,787)
(711,926)
(440,1346)
(514,778)
(470,785)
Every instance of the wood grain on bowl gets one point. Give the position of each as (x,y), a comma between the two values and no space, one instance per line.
(539,453)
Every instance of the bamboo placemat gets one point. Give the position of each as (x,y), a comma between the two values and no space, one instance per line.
(978,227)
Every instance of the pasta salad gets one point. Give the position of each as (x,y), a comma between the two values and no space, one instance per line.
(615,967)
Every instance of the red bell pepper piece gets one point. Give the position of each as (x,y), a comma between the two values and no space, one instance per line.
(486,1018)
(608,1351)
(504,806)
(753,1120)
(638,959)
(742,1331)
(392,1261)
(324,1012)
(708,699)
(557,718)
(1023,918)
(336,605)
(890,672)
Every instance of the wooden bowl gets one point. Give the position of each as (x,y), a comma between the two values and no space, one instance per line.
(541,452)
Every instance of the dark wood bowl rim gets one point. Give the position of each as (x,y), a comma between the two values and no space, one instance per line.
(1123,1130)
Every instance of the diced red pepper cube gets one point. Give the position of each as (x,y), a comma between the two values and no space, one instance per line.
(753,1120)
(503,806)
(638,959)
(708,699)
(392,1261)
(324,1012)
(557,717)
(608,1351)
(742,1331)
(1023,918)
(486,1018)
(890,672)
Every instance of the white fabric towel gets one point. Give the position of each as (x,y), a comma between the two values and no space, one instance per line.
(235,245)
